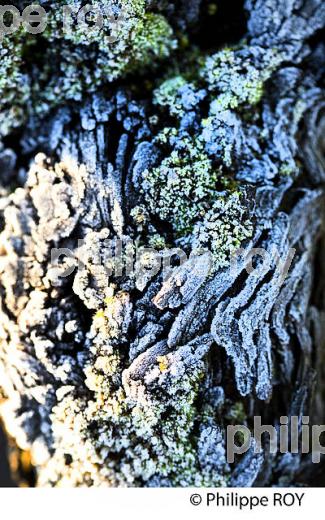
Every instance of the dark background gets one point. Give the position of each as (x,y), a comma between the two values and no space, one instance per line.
(5,480)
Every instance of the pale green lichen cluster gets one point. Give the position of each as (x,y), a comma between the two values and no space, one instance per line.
(233,74)
(180,189)
(178,96)
(65,64)
(137,38)
(236,82)
(236,85)
(15,87)
(191,187)
(160,437)
(155,415)
(224,228)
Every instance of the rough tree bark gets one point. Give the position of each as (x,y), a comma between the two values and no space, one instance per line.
(201,130)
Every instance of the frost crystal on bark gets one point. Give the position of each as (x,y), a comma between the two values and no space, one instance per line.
(162,140)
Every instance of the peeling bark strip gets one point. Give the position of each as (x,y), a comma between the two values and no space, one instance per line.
(168,139)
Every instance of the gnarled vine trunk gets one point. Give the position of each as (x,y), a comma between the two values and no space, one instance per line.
(199,130)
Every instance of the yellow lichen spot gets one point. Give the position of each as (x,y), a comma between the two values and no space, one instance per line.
(100,319)
(163,363)
(116,407)
(109,300)
(212,9)
(184,41)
